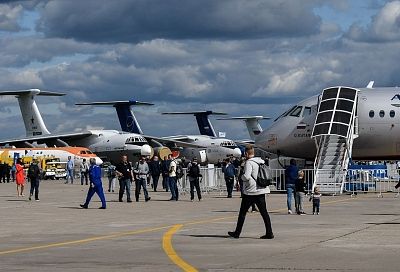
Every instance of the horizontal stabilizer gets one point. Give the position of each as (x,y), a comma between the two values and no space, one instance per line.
(115,103)
(195,113)
(31,92)
(203,122)
(245,118)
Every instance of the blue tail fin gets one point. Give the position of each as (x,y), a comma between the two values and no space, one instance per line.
(203,122)
(126,117)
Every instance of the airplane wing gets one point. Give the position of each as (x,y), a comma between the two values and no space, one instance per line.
(52,139)
(172,141)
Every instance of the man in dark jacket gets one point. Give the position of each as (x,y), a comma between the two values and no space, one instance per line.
(291,175)
(229,171)
(125,175)
(155,171)
(165,172)
(34,175)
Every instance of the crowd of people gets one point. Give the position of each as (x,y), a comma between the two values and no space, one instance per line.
(245,172)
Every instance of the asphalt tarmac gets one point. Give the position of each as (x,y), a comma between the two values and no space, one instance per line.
(350,234)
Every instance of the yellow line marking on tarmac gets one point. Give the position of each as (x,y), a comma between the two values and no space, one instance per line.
(82,241)
(127,233)
(171,253)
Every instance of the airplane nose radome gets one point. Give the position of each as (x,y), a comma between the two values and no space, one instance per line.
(99,161)
(146,150)
(237,152)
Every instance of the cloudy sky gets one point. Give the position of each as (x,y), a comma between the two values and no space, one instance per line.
(240,57)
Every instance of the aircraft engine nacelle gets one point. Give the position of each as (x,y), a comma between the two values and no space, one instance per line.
(162,152)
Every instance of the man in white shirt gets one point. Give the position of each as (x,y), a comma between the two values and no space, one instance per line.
(172,179)
(252,193)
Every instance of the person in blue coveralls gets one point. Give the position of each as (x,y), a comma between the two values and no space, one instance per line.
(95,185)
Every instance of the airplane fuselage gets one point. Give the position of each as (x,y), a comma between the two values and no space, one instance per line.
(378,111)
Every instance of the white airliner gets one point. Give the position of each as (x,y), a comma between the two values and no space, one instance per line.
(377,125)
(205,148)
(110,144)
(62,153)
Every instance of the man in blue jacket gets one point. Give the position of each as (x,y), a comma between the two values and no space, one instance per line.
(229,171)
(291,175)
(95,185)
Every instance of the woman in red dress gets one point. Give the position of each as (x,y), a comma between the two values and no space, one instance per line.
(20,177)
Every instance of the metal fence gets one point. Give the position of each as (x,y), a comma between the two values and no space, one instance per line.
(356,181)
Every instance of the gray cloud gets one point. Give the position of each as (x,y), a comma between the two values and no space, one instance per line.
(134,21)
(9,15)
(385,26)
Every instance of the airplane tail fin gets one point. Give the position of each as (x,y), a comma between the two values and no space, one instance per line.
(34,124)
(252,124)
(204,124)
(126,116)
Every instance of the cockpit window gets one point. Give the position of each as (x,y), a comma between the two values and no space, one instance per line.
(296,111)
(307,111)
(289,111)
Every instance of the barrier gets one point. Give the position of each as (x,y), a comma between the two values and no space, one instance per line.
(377,181)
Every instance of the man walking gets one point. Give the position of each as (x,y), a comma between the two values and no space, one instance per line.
(70,170)
(95,185)
(252,193)
(141,172)
(193,170)
(229,171)
(84,169)
(172,179)
(125,176)
(155,171)
(291,175)
(34,175)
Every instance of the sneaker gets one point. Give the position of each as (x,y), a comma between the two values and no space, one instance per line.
(317,213)
(199,199)
(83,206)
(147,199)
(192,200)
(302,213)
(22,194)
(289,212)
(37,200)
(313,213)
(270,236)
(233,234)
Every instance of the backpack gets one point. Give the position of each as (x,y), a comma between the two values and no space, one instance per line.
(264,175)
(194,171)
(179,171)
(33,171)
(111,171)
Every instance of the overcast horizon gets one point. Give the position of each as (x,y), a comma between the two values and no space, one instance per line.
(234,56)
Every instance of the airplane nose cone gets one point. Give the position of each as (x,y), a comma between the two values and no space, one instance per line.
(237,153)
(146,150)
(99,161)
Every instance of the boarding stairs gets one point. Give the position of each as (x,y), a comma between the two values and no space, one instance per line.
(335,129)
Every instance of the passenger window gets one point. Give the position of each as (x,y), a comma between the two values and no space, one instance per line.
(382,113)
(392,113)
(296,112)
(371,113)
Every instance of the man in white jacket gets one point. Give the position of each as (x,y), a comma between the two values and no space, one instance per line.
(252,194)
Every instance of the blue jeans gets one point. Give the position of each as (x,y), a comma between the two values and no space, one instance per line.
(141,183)
(70,174)
(125,183)
(173,187)
(290,189)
